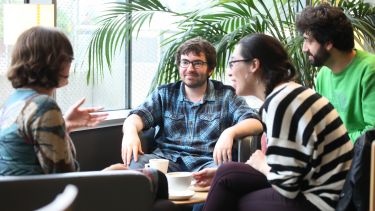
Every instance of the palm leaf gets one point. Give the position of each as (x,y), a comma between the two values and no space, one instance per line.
(224,27)
(116,26)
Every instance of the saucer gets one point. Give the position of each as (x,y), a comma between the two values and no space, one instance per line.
(199,188)
(181,195)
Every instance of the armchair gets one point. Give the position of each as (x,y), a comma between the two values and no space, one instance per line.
(355,194)
(112,190)
(247,146)
(63,201)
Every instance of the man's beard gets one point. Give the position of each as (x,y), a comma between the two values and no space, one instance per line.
(320,57)
(197,84)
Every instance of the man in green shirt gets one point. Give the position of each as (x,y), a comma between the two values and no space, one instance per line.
(347,76)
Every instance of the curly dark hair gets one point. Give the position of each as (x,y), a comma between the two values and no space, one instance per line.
(198,45)
(327,24)
(274,61)
(38,57)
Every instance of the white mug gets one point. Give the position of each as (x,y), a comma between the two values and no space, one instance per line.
(179,181)
(159,164)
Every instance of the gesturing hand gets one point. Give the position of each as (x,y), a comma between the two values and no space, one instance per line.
(77,117)
(204,177)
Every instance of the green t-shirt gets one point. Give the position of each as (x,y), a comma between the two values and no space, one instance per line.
(352,92)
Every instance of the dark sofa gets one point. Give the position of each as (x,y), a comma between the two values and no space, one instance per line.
(99,148)
(112,190)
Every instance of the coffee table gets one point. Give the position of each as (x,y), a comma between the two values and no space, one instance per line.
(198,197)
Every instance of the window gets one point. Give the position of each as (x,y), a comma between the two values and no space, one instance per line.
(77,19)
(5,53)
(146,51)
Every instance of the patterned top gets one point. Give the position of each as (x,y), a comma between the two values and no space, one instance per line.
(189,131)
(309,150)
(33,139)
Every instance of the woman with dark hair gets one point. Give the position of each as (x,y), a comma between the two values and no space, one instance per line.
(308,149)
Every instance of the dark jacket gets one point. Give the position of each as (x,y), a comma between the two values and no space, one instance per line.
(356,190)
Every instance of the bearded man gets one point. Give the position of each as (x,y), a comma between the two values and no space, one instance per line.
(347,76)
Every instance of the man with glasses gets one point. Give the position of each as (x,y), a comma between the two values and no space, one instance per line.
(198,118)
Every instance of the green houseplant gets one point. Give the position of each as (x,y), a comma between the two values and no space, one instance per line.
(229,22)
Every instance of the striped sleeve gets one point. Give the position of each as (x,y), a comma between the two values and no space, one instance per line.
(309,150)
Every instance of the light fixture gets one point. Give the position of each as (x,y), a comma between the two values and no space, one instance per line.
(20,17)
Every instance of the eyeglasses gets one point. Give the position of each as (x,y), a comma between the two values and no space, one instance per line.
(230,64)
(197,64)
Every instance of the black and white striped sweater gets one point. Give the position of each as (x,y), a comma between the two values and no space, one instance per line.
(308,148)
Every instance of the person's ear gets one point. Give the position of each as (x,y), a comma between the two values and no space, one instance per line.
(328,45)
(254,65)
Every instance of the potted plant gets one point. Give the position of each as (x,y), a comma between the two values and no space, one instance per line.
(224,27)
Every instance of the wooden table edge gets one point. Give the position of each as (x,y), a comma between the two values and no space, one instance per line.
(198,197)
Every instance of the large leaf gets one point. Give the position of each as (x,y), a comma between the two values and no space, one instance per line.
(223,23)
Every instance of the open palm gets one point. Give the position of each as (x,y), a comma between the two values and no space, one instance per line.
(77,117)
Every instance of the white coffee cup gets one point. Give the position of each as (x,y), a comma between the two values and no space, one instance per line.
(160,164)
(179,181)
